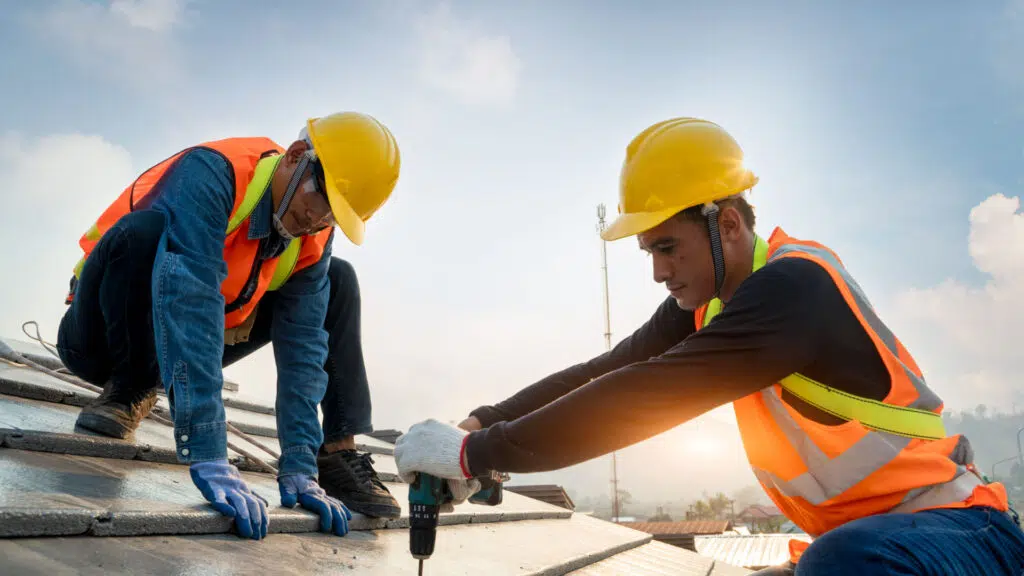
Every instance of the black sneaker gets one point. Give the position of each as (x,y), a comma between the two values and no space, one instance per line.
(117,411)
(349,476)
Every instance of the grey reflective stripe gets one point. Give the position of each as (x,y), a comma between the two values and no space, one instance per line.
(956,490)
(826,477)
(926,399)
(809,452)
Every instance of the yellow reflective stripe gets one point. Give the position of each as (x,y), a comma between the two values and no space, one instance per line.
(285,264)
(760,258)
(900,420)
(79,266)
(93,235)
(714,307)
(254,191)
(253,194)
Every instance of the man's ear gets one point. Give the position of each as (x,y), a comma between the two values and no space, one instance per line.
(294,152)
(730,222)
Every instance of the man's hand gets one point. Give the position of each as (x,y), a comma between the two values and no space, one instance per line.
(222,486)
(304,490)
(436,448)
(471,424)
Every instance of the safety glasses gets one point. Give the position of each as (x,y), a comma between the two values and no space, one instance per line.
(318,186)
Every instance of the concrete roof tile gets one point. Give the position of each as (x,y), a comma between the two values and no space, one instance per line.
(85,504)
(506,549)
(147,498)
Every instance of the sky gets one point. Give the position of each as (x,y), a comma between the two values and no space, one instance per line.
(889,133)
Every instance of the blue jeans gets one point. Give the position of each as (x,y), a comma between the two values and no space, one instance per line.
(978,541)
(107,332)
(346,404)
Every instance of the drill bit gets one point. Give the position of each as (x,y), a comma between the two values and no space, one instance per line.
(421,567)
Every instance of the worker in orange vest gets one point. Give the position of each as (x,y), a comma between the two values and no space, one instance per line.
(838,423)
(208,256)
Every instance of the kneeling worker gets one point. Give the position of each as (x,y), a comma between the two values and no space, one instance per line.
(210,255)
(837,421)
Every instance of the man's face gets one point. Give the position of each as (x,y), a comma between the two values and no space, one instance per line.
(309,211)
(681,254)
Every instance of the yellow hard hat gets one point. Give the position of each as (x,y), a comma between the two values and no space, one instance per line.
(674,165)
(361,162)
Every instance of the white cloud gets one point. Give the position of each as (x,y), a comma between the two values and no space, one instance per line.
(155,15)
(473,66)
(967,338)
(56,186)
(130,40)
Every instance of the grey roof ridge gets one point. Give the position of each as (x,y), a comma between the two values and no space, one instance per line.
(13,387)
(49,361)
(74,398)
(102,447)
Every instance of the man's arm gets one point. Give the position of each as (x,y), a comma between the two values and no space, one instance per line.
(768,331)
(668,326)
(196,196)
(300,351)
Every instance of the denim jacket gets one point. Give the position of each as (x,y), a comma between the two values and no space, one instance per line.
(197,196)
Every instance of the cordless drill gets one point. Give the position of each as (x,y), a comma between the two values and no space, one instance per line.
(426,496)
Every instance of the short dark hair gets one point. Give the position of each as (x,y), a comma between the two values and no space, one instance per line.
(695,214)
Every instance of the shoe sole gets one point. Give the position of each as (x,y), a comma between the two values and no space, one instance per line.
(378,509)
(101,425)
(369,510)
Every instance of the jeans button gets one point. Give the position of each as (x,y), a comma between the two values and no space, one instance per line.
(184,451)
(184,437)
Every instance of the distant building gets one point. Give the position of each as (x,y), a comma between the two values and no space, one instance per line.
(762,518)
(681,534)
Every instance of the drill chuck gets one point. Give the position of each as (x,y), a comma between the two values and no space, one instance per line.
(426,495)
(422,530)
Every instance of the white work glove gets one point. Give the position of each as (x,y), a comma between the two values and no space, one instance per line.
(435,448)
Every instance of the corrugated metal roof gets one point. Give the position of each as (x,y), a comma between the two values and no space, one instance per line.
(755,551)
(73,502)
(685,527)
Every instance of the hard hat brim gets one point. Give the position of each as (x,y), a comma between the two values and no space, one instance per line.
(632,224)
(344,216)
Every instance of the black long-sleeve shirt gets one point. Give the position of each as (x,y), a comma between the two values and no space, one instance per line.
(787,317)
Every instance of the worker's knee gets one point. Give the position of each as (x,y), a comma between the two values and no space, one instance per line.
(344,284)
(343,305)
(862,543)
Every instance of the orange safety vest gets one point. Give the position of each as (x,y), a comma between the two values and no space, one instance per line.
(823,476)
(252,161)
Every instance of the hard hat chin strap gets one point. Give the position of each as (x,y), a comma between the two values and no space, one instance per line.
(710,211)
(289,193)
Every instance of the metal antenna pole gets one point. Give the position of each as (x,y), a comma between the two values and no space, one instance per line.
(608,346)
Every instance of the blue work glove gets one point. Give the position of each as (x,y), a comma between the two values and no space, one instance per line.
(307,493)
(222,485)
